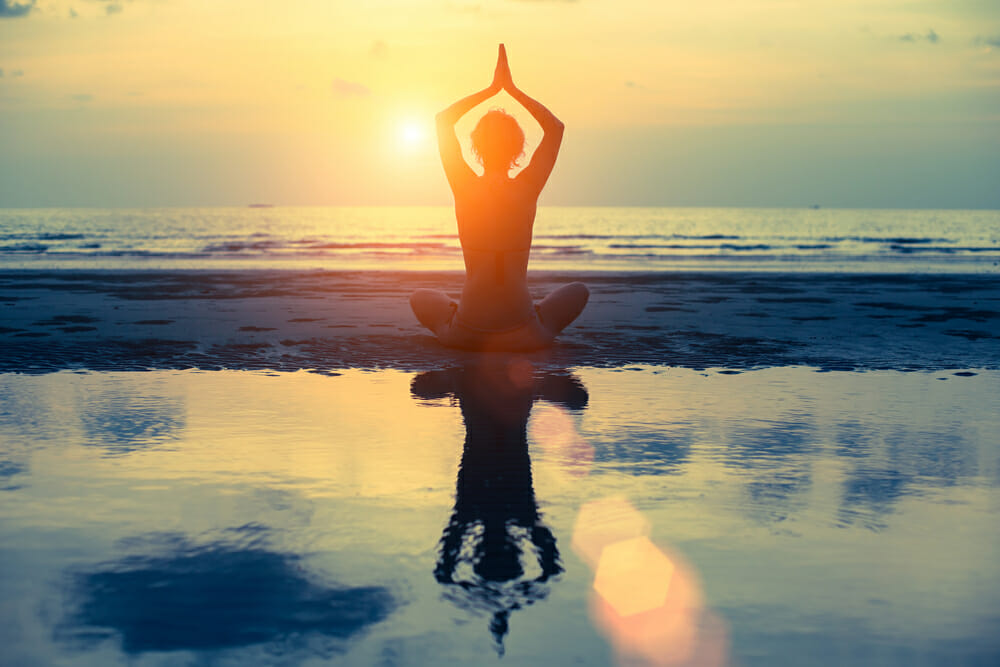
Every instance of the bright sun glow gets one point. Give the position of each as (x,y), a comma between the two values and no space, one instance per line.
(410,134)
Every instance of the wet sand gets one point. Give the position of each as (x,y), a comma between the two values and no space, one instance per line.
(323,321)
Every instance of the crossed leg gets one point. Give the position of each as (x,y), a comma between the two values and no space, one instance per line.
(563,306)
(432,308)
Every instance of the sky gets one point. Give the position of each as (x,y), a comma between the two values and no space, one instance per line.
(841,103)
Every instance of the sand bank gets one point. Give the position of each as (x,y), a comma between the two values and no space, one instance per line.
(326,320)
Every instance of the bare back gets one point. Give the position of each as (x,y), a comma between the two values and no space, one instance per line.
(495,215)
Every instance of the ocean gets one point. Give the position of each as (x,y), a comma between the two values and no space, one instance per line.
(565,238)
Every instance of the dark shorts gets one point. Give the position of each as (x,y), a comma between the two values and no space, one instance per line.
(530,334)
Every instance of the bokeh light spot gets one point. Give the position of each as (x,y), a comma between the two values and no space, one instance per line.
(633,576)
(553,430)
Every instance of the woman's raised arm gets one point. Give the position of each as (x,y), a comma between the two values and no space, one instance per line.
(538,170)
(455,166)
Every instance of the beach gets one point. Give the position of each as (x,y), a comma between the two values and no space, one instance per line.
(325,320)
(812,456)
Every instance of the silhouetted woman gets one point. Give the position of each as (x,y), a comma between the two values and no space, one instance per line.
(495,216)
(481,554)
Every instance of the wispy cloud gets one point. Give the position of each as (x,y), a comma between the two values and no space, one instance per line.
(344,88)
(111,7)
(987,40)
(930,36)
(379,49)
(82,97)
(10,9)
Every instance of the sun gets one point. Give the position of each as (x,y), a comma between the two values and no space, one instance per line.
(410,134)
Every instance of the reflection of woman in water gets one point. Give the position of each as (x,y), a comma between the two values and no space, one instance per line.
(480,557)
(495,215)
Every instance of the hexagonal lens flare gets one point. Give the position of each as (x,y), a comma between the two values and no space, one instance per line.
(646,599)
(633,576)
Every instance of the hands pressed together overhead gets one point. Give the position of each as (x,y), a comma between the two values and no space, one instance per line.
(501,77)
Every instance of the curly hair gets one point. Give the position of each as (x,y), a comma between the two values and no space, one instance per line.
(498,139)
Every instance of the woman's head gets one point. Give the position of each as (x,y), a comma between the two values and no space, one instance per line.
(498,140)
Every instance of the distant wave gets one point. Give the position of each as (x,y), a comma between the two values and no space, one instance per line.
(944,249)
(24,247)
(42,236)
(638,237)
(241,246)
(678,246)
(884,239)
(277,248)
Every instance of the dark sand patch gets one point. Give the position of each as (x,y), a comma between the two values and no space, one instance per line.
(665,309)
(969,335)
(959,314)
(60,320)
(801,299)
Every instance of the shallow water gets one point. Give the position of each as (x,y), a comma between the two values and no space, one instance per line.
(791,517)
